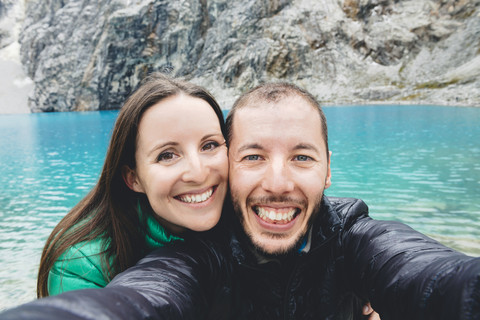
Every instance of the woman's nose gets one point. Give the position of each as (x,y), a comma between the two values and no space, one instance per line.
(195,171)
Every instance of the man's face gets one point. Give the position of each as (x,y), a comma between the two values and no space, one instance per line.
(278,171)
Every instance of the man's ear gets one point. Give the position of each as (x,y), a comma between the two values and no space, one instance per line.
(328,180)
(130,178)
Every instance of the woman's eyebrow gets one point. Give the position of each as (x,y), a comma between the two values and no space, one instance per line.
(207,136)
(162,145)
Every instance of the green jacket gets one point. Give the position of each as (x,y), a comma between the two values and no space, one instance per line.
(80,266)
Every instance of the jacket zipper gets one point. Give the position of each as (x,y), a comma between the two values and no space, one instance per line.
(294,270)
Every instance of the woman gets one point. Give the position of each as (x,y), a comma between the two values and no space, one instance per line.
(165,172)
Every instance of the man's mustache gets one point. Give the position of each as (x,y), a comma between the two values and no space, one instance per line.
(277,199)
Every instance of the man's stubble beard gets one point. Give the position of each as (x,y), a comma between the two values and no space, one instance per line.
(281,251)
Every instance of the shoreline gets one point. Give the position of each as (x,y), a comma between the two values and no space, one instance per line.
(25,110)
(401,103)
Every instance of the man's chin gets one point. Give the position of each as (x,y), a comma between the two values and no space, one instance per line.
(273,245)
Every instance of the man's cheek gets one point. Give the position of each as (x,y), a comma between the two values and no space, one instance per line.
(238,184)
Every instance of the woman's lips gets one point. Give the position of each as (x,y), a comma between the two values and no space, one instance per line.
(196,197)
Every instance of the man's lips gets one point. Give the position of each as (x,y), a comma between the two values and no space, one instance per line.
(196,197)
(282,215)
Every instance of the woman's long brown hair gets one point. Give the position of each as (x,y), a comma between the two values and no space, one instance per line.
(108,211)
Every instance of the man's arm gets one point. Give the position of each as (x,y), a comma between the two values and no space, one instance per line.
(181,281)
(407,275)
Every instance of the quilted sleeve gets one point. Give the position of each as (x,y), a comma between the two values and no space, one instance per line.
(407,275)
(77,268)
(179,281)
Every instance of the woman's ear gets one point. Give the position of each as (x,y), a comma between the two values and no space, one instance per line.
(130,178)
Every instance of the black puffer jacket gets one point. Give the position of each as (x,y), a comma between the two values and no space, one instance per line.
(301,285)
(404,274)
(354,258)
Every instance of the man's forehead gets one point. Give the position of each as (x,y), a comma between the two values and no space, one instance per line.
(295,126)
(295,107)
(260,102)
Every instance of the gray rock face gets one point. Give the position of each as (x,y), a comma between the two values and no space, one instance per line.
(6,36)
(89,55)
(15,86)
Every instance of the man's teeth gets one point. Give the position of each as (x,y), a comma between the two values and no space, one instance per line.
(265,214)
(196,198)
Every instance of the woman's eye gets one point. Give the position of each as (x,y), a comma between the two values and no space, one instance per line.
(302,158)
(210,146)
(253,157)
(166,156)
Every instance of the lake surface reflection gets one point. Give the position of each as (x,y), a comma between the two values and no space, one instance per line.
(415,164)
(418,165)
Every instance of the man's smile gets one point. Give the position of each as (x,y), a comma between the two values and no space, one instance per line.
(276,215)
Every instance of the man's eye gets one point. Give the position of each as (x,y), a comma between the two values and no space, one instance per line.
(166,156)
(210,145)
(302,158)
(253,157)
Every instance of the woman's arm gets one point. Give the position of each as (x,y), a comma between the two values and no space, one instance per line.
(77,268)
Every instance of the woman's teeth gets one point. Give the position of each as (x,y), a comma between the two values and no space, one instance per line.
(274,216)
(196,198)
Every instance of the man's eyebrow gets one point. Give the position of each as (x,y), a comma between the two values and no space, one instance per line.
(306,146)
(249,146)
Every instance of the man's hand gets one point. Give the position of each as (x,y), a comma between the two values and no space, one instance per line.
(368,311)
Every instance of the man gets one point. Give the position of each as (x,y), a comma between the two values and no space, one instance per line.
(279,168)
(291,252)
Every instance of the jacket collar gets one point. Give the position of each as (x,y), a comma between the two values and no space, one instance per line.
(156,235)
(326,225)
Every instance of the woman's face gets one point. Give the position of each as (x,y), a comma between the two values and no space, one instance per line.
(182,163)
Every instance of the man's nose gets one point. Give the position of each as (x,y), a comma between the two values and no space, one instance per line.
(277,178)
(195,170)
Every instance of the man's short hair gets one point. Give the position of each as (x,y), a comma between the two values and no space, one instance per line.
(272,93)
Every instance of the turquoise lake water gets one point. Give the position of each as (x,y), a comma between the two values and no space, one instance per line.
(416,164)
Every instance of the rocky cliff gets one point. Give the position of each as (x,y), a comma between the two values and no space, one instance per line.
(15,86)
(88,55)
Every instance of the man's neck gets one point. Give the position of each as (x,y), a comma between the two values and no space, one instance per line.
(302,249)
